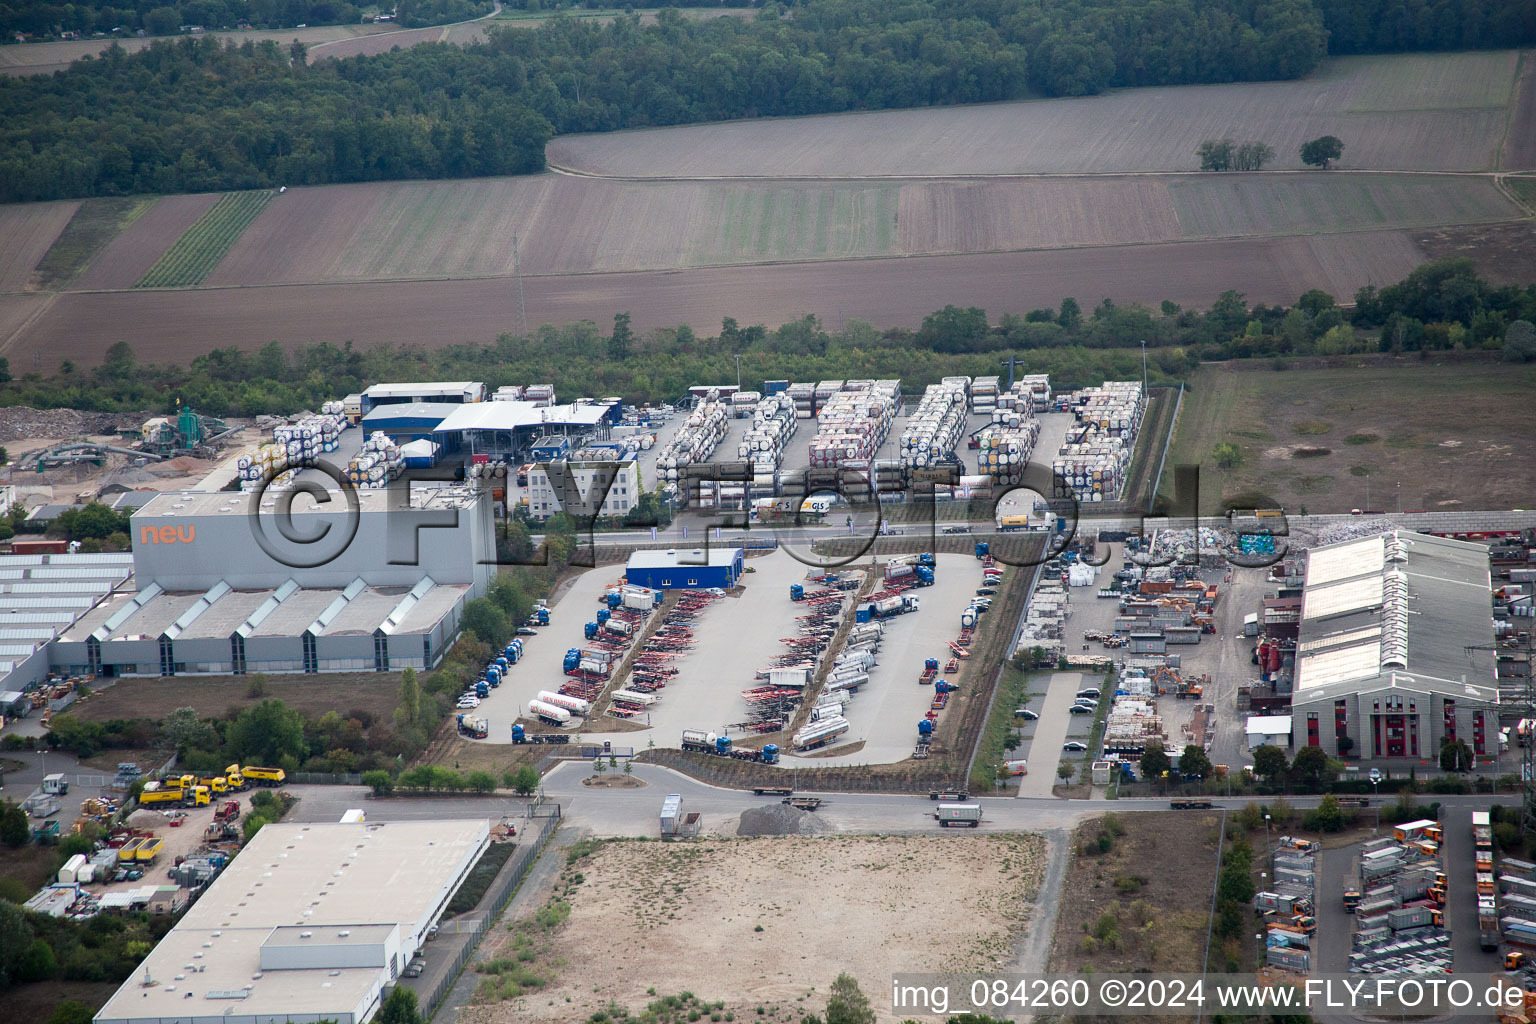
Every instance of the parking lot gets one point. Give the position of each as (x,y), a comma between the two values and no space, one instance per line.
(885,712)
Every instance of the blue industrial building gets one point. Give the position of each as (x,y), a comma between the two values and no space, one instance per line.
(685,570)
(411,421)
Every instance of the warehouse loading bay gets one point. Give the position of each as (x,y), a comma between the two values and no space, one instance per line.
(735,637)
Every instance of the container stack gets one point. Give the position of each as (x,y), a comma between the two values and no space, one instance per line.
(541,395)
(265,462)
(934,429)
(742,404)
(338,410)
(1096,459)
(310,436)
(984,394)
(964,384)
(1006,449)
(696,440)
(379,462)
(773,424)
(1037,387)
(852,425)
(804,397)
(824,391)
(508,393)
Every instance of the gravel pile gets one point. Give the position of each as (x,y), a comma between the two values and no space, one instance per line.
(146,818)
(780,820)
(18,422)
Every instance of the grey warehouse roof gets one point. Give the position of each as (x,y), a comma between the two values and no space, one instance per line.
(1397,611)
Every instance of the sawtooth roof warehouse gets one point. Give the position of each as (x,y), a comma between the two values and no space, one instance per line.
(310,923)
(205,597)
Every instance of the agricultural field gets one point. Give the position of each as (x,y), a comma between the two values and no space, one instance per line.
(94,224)
(27,232)
(46,58)
(1311,439)
(746,920)
(203,245)
(129,255)
(173,325)
(1432,112)
(1211,206)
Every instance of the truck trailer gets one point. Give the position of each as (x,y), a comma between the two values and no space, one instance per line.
(968,815)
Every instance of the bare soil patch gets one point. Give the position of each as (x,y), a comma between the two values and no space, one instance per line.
(156,697)
(177,325)
(686,917)
(613,782)
(1159,915)
(1504,253)
(128,256)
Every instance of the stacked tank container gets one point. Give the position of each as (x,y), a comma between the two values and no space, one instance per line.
(984,392)
(804,397)
(265,462)
(377,463)
(542,395)
(1037,386)
(773,424)
(852,425)
(1007,447)
(508,393)
(934,429)
(1094,462)
(742,404)
(313,435)
(338,410)
(964,384)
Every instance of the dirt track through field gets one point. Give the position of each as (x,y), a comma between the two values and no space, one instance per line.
(135,250)
(177,325)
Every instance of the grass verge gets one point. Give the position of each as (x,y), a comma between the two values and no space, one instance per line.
(480,877)
(1523,188)
(991,750)
(200,248)
(95,223)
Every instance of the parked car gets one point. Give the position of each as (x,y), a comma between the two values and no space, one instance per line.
(465,703)
(527,631)
(982,603)
(1082,709)
(985,591)
(1091,692)
(955,529)
(1074,746)
(414,969)
(1025,714)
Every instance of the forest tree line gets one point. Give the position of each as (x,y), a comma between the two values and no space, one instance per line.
(195,115)
(1441,306)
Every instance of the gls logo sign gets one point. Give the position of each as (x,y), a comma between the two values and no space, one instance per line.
(167,534)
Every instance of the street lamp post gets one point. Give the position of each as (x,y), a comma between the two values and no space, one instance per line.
(738,373)
(1143,369)
(1270,844)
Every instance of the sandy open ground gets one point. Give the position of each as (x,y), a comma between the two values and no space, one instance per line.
(682,917)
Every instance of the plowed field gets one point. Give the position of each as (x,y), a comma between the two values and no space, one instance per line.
(26,232)
(1437,112)
(129,256)
(174,324)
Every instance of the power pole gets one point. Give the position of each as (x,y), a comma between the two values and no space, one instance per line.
(517,275)
(1526,709)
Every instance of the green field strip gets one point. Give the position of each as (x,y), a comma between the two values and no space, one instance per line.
(95,223)
(193,256)
(1217,207)
(826,209)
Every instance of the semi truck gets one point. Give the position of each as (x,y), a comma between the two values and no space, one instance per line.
(160,793)
(968,815)
(707,742)
(473,726)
